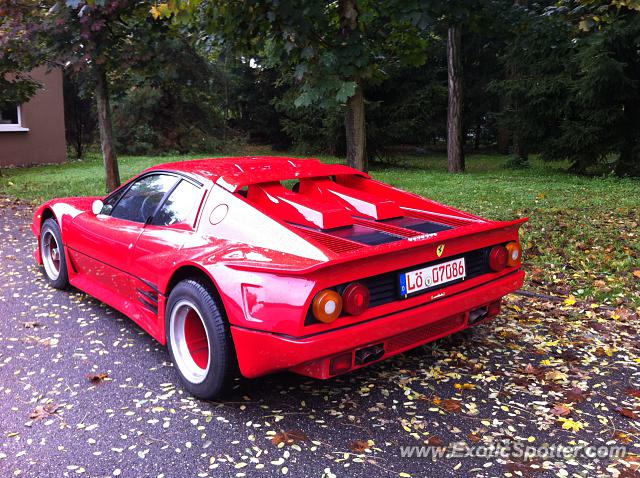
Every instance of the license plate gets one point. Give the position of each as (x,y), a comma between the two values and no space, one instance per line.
(431,276)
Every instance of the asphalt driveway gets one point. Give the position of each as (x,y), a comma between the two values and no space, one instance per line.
(83,391)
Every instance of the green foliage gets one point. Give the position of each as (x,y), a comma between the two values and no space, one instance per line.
(171,100)
(563,78)
(576,95)
(251,98)
(410,108)
(18,89)
(92,38)
(89,34)
(323,46)
(312,129)
(17,57)
(82,35)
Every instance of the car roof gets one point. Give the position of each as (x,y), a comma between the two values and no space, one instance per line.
(235,173)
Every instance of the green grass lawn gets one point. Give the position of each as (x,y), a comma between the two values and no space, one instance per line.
(583,238)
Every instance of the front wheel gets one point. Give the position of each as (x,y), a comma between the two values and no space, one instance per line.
(52,252)
(198,339)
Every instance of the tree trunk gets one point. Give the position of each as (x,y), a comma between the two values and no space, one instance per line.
(226,98)
(455,152)
(79,130)
(520,151)
(79,148)
(519,147)
(355,131)
(628,163)
(504,133)
(477,136)
(106,132)
(503,140)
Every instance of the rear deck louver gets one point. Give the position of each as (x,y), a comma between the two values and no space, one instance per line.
(335,244)
(442,218)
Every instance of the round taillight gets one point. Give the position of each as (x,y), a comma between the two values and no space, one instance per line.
(514,254)
(327,306)
(355,298)
(498,258)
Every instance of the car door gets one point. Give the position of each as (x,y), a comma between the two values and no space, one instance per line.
(154,254)
(172,225)
(101,245)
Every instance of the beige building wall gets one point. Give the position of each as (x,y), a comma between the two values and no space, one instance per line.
(40,137)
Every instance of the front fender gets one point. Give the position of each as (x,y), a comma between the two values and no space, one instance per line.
(63,211)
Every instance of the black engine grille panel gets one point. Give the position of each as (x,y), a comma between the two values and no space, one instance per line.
(418,225)
(385,288)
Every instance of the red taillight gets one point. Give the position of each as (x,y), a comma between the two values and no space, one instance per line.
(355,298)
(498,258)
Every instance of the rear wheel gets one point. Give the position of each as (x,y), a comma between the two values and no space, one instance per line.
(52,252)
(198,339)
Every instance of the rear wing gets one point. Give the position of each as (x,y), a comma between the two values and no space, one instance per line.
(478,234)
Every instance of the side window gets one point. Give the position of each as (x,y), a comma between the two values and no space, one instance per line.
(111,201)
(180,205)
(140,201)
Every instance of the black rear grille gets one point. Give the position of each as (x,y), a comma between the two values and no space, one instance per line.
(364,235)
(418,225)
(385,288)
(429,227)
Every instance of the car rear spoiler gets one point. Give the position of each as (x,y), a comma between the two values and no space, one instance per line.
(469,230)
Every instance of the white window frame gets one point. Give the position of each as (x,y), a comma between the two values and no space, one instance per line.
(14,126)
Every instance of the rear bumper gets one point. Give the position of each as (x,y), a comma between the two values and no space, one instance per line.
(260,353)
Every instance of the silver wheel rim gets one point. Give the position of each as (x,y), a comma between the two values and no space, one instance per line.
(190,341)
(51,255)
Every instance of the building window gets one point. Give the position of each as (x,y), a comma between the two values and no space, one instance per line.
(11,118)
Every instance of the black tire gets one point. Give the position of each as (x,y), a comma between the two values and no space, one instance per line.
(50,231)
(220,369)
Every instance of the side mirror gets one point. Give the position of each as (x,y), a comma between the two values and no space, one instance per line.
(97,206)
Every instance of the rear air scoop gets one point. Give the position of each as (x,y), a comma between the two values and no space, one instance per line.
(321,213)
(340,217)
(357,202)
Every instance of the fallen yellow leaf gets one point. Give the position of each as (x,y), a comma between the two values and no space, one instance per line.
(570,424)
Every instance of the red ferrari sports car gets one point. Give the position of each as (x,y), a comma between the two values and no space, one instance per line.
(265,264)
